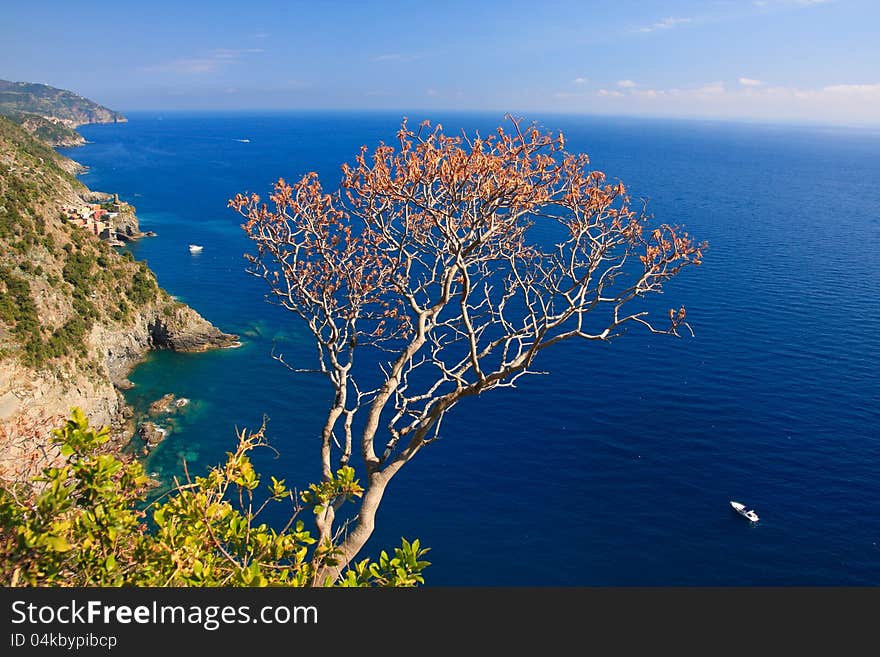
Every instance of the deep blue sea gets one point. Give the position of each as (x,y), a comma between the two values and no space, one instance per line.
(618,466)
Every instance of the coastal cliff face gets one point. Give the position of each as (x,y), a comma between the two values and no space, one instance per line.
(75,314)
(35,400)
(166,325)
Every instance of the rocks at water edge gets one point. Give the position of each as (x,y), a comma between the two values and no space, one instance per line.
(151,433)
(180,328)
(167,404)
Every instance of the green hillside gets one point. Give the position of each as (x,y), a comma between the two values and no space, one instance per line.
(43,100)
(49,130)
(56,280)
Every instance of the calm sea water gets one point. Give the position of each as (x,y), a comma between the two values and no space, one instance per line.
(617,468)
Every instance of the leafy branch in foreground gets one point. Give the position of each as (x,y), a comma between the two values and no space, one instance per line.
(84,524)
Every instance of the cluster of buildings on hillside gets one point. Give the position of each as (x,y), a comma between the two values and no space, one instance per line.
(98,218)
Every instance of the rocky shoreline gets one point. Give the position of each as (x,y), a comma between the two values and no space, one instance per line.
(34,402)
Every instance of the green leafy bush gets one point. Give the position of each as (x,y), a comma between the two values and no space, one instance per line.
(18,311)
(85,524)
(143,286)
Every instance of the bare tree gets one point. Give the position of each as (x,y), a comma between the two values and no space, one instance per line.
(441,269)
(26,448)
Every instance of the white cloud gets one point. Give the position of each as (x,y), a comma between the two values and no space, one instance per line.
(395,57)
(665,24)
(763,4)
(853,89)
(579,80)
(232,53)
(750,82)
(626,84)
(847,103)
(432,92)
(648,93)
(711,89)
(208,63)
(566,95)
(193,65)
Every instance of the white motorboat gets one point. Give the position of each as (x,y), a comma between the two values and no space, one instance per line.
(743,511)
(195,248)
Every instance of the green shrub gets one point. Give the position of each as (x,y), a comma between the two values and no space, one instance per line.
(18,311)
(85,524)
(143,286)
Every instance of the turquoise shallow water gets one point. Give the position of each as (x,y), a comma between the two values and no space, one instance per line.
(617,468)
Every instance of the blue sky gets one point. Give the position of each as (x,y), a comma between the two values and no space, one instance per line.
(779,60)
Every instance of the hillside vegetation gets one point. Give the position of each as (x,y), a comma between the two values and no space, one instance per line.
(47,129)
(84,524)
(75,314)
(56,279)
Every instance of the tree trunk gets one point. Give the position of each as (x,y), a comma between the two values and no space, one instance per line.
(355,541)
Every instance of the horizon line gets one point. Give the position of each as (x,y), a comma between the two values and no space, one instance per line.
(767,121)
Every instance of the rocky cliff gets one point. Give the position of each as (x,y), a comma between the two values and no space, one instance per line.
(35,400)
(75,314)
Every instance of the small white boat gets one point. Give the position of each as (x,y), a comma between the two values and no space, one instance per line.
(244,141)
(195,248)
(743,511)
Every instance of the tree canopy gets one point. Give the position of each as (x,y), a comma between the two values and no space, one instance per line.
(442,268)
